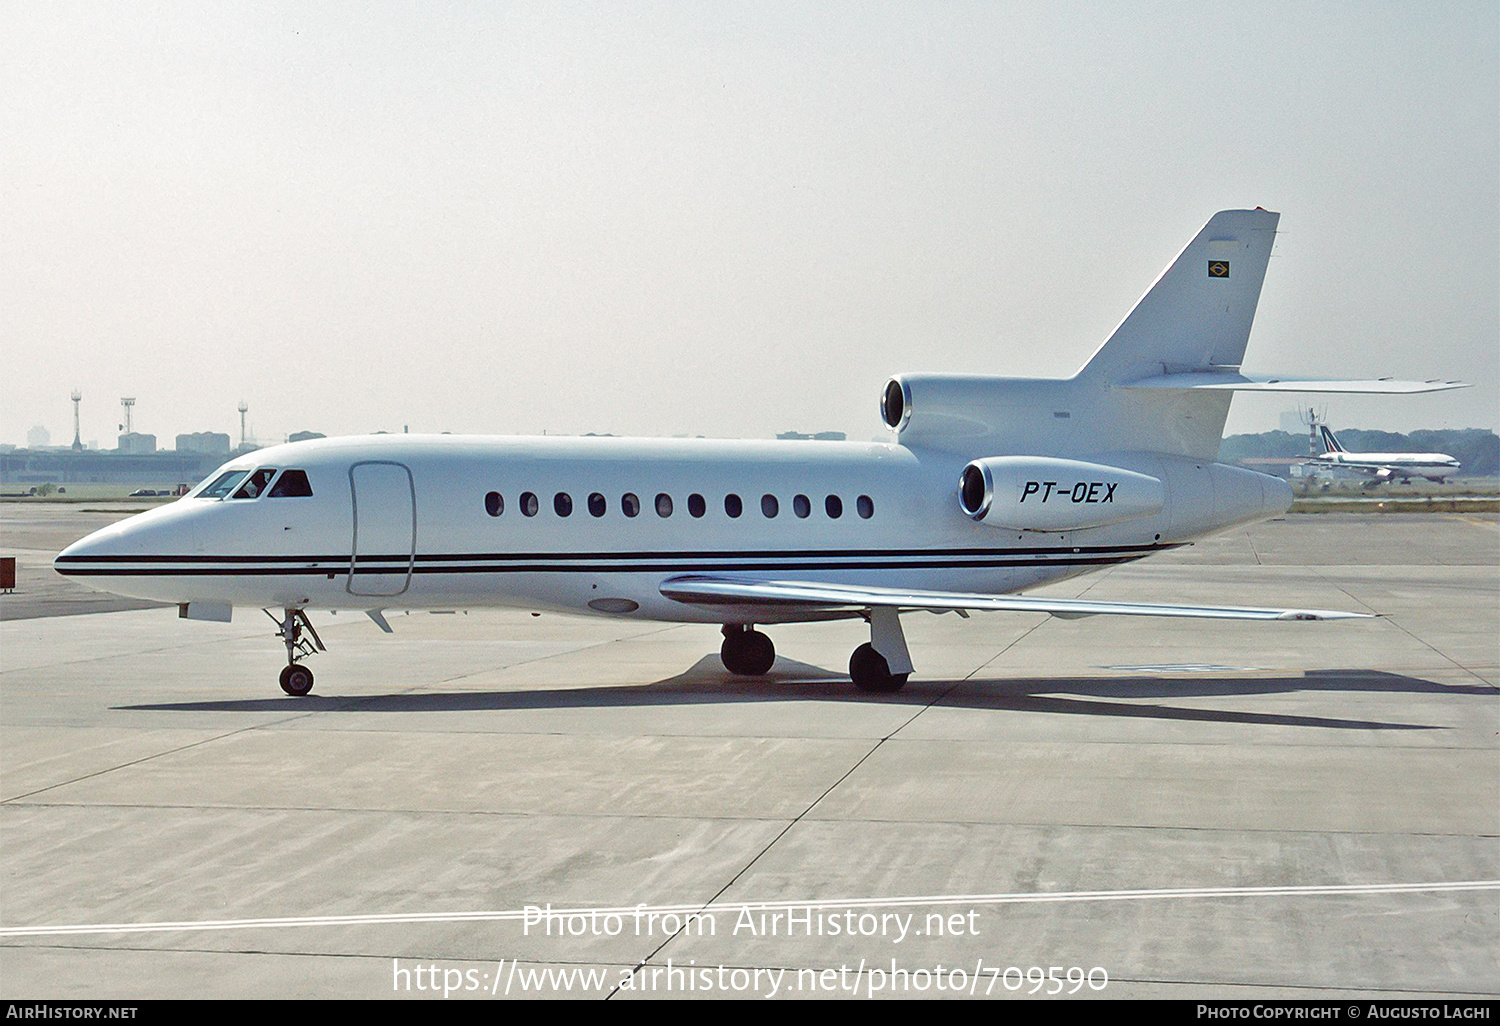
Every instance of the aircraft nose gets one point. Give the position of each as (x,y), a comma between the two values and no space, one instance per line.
(157,533)
(98,547)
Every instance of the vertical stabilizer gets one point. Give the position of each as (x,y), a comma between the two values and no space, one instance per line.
(1330,441)
(1198,313)
(1196,317)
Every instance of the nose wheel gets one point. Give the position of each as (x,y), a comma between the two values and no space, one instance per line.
(296,679)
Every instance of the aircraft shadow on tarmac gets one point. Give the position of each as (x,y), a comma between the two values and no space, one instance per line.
(707,683)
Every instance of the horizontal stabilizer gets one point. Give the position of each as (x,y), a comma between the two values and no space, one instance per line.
(721,591)
(1233,381)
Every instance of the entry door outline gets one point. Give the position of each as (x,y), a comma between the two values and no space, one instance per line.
(367,582)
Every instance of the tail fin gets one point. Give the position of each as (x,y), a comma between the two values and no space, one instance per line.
(1197,315)
(1330,441)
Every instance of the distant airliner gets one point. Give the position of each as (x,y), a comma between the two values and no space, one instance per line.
(990,486)
(1382,466)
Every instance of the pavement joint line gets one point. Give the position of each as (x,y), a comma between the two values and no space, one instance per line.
(1374,993)
(536,659)
(808,811)
(850,904)
(352,700)
(1391,619)
(280,953)
(746,867)
(666,817)
(132,762)
(1250,541)
(783,832)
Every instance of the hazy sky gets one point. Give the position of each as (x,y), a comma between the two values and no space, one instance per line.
(717,218)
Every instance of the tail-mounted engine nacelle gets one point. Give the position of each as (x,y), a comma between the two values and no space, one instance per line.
(1040,493)
(895,404)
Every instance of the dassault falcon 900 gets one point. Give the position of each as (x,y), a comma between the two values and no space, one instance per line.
(989,487)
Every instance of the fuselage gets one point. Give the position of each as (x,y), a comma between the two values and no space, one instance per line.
(595,525)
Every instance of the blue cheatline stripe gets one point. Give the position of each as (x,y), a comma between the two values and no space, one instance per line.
(646,554)
(402,566)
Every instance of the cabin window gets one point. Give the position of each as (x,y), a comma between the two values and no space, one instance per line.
(801,506)
(866,507)
(696,506)
(562,504)
(494,505)
(663,505)
(223,486)
(834,506)
(732,505)
(292,484)
(528,504)
(597,505)
(629,504)
(769,507)
(255,484)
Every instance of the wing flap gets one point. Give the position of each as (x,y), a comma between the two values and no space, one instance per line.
(722,591)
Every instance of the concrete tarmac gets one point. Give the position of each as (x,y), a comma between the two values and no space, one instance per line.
(1153,775)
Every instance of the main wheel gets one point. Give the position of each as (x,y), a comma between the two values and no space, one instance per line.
(296,679)
(870,672)
(747,653)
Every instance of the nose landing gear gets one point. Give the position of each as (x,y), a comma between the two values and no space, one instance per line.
(296,679)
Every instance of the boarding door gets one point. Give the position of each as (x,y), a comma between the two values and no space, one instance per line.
(385,528)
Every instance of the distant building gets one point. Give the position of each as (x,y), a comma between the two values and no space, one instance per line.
(38,438)
(304,436)
(134,443)
(64,466)
(210,443)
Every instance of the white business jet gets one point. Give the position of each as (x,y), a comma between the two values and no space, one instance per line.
(1380,467)
(990,486)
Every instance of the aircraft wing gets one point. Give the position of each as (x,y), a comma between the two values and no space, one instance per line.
(809,595)
(1233,381)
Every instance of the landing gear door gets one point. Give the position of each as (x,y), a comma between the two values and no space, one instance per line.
(385,528)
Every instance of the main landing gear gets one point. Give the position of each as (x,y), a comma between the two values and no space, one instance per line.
(746,651)
(870,671)
(879,667)
(296,679)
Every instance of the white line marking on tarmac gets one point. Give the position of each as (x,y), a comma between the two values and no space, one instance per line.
(1331,890)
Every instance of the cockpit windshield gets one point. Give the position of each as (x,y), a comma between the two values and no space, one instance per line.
(222,485)
(255,483)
